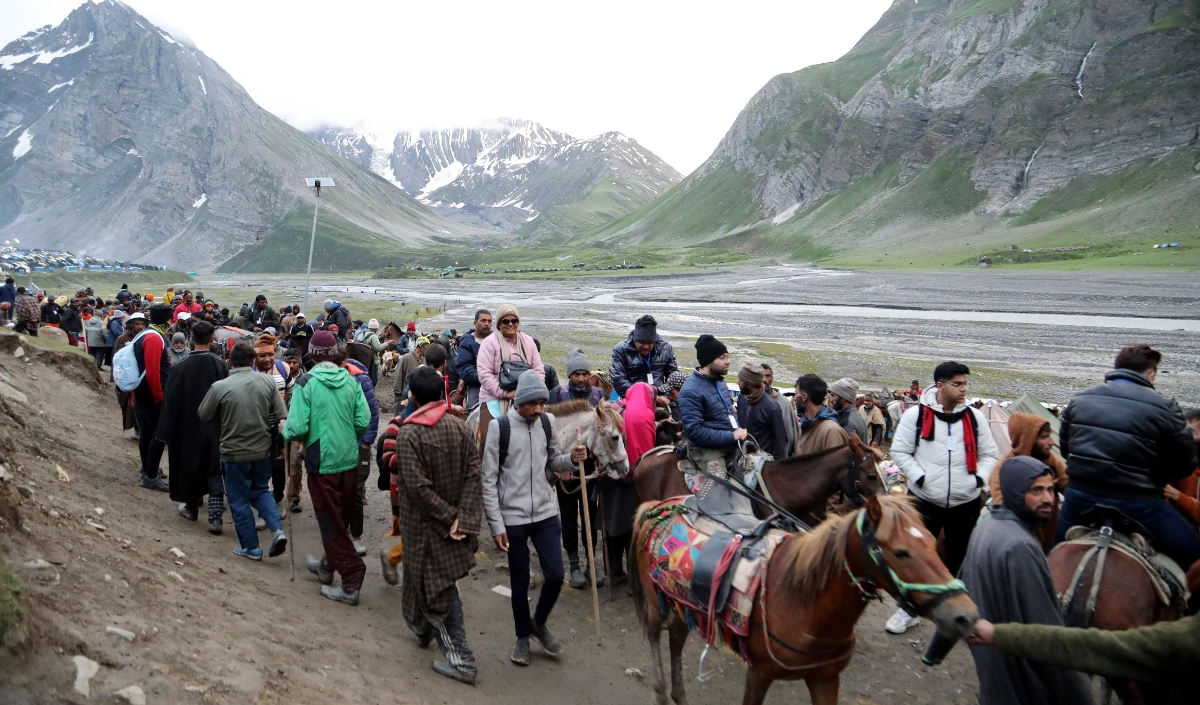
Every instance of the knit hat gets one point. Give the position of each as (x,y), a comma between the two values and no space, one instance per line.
(845,388)
(178,338)
(645,330)
(506,310)
(373,324)
(412,326)
(266,341)
(159,314)
(676,380)
(328,304)
(323,347)
(708,349)
(751,374)
(604,376)
(530,387)
(577,362)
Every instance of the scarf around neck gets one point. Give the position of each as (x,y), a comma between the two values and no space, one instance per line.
(428,415)
(925,430)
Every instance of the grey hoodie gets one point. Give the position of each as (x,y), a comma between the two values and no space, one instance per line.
(520,492)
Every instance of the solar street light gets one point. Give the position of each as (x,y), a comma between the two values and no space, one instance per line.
(314,183)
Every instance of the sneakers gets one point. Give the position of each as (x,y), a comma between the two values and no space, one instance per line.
(546,640)
(578,580)
(520,652)
(294,507)
(214,527)
(281,510)
(153,483)
(390,575)
(337,594)
(901,622)
(254,554)
(278,544)
(360,547)
(187,512)
(460,675)
(315,567)
(260,523)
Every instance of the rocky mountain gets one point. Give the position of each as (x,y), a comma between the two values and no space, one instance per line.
(956,127)
(120,141)
(512,174)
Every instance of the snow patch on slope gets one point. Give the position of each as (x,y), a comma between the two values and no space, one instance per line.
(42,57)
(61,85)
(200,201)
(202,87)
(24,144)
(444,177)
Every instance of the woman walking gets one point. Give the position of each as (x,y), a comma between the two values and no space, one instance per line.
(503,356)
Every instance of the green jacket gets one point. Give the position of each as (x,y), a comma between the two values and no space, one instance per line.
(250,408)
(1164,658)
(329,413)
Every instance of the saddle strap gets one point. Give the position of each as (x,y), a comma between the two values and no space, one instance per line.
(1069,596)
(762,485)
(1103,544)
(1160,587)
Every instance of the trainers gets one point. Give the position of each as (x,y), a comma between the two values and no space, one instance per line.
(294,507)
(901,622)
(578,580)
(281,509)
(546,640)
(153,483)
(214,527)
(323,574)
(337,594)
(260,523)
(390,575)
(278,544)
(360,547)
(520,652)
(254,554)
(461,675)
(187,512)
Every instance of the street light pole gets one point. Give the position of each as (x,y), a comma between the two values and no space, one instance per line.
(315,183)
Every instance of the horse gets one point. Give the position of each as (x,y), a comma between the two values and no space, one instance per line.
(601,429)
(811,591)
(801,484)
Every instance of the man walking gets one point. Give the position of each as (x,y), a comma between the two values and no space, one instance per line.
(519,451)
(150,351)
(8,295)
(1006,571)
(248,408)
(791,423)
(193,446)
(436,459)
(643,357)
(300,335)
(844,395)
(408,364)
(819,429)
(945,449)
(330,415)
(759,414)
(468,356)
(26,313)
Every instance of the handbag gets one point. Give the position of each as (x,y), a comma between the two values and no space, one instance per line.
(511,370)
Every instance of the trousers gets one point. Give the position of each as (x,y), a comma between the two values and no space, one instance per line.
(149,447)
(546,537)
(1171,533)
(246,486)
(360,503)
(570,510)
(295,469)
(450,632)
(958,523)
(333,498)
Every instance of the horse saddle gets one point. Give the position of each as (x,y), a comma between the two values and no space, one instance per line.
(721,560)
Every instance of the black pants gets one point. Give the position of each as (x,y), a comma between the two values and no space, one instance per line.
(570,508)
(149,447)
(26,327)
(958,523)
(364,472)
(451,634)
(546,536)
(278,479)
(618,552)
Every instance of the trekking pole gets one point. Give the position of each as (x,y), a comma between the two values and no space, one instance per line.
(603,544)
(587,526)
(287,468)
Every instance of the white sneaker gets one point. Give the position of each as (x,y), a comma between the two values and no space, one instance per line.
(360,547)
(901,622)
(260,523)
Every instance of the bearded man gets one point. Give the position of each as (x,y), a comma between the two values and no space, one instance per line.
(1031,436)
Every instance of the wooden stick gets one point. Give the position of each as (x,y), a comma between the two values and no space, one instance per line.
(587,525)
(604,548)
(287,469)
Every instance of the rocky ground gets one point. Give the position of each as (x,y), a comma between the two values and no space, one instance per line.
(192,623)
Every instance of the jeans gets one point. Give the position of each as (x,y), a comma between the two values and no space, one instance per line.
(246,486)
(958,523)
(98,355)
(149,447)
(546,536)
(1170,532)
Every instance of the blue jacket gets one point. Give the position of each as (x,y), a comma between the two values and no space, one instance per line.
(364,380)
(706,409)
(115,330)
(468,354)
(8,294)
(629,366)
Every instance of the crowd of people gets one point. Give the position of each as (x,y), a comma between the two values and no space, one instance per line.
(285,405)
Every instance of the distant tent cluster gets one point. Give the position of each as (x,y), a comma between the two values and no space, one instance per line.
(39,261)
(1166,245)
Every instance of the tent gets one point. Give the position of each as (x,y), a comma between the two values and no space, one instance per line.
(997,419)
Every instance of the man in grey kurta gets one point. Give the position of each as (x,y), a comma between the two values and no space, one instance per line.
(1009,580)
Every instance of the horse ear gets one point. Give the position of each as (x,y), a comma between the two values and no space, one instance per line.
(874,510)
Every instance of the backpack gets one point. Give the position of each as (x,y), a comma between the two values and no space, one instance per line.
(506,431)
(125,367)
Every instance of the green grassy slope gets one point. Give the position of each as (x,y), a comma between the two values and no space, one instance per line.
(340,246)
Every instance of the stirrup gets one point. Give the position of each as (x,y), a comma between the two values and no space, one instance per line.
(705,676)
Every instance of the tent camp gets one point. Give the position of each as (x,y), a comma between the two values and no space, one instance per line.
(997,419)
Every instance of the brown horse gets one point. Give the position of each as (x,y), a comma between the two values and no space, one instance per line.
(1126,598)
(812,592)
(801,484)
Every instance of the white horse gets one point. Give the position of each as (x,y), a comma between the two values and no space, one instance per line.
(601,429)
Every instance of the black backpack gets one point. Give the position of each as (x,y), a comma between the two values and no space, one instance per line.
(506,431)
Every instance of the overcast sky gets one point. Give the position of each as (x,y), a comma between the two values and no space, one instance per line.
(672,75)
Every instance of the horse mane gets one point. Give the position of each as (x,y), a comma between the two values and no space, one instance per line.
(566,408)
(815,559)
(797,459)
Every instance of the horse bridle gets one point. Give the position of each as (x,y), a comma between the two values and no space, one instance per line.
(854,480)
(901,590)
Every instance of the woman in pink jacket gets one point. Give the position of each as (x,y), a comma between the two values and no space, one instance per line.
(507,342)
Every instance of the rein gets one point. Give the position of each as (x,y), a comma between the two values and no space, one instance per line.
(900,589)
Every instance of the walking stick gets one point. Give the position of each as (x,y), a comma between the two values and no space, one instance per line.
(287,468)
(603,545)
(587,526)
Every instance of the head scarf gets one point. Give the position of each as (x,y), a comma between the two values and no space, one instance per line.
(639,420)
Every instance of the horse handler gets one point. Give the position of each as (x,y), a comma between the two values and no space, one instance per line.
(436,459)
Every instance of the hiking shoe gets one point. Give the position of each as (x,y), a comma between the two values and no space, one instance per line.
(901,622)
(578,580)
(461,675)
(294,507)
(214,527)
(337,594)
(260,523)
(281,510)
(323,574)
(153,483)
(546,640)
(520,652)
(390,574)
(278,544)
(360,547)
(254,554)
(187,512)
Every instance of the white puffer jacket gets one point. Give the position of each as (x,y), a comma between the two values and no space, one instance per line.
(942,461)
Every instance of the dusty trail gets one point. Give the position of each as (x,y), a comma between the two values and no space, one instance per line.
(234,631)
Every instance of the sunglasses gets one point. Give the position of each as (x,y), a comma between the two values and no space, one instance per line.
(510,321)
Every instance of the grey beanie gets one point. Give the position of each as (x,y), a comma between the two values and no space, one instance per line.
(577,362)
(845,388)
(530,387)
(328,304)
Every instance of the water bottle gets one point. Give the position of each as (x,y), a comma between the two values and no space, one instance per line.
(938,648)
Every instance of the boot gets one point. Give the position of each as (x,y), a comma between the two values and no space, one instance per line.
(578,580)
(337,594)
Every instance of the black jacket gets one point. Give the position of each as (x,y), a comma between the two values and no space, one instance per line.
(765,423)
(1124,440)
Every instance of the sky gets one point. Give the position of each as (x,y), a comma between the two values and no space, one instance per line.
(672,75)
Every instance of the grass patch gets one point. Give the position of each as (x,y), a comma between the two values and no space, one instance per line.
(10,606)
(1180,18)
(994,7)
(603,204)
(907,74)
(105,284)
(340,246)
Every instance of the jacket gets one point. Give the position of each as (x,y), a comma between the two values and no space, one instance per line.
(8,294)
(791,423)
(339,315)
(464,363)
(114,329)
(937,469)
(96,333)
(25,309)
(364,381)
(706,409)
(409,362)
(262,319)
(329,415)
(150,351)
(51,313)
(853,422)
(1124,440)
(249,408)
(520,492)
(488,363)
(70,320)
(629,366)
(821,434)
(764,422)
(192,310)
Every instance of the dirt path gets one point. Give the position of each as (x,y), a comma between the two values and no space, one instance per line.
(228,630)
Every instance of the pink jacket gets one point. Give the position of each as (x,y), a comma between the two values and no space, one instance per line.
(488,363)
